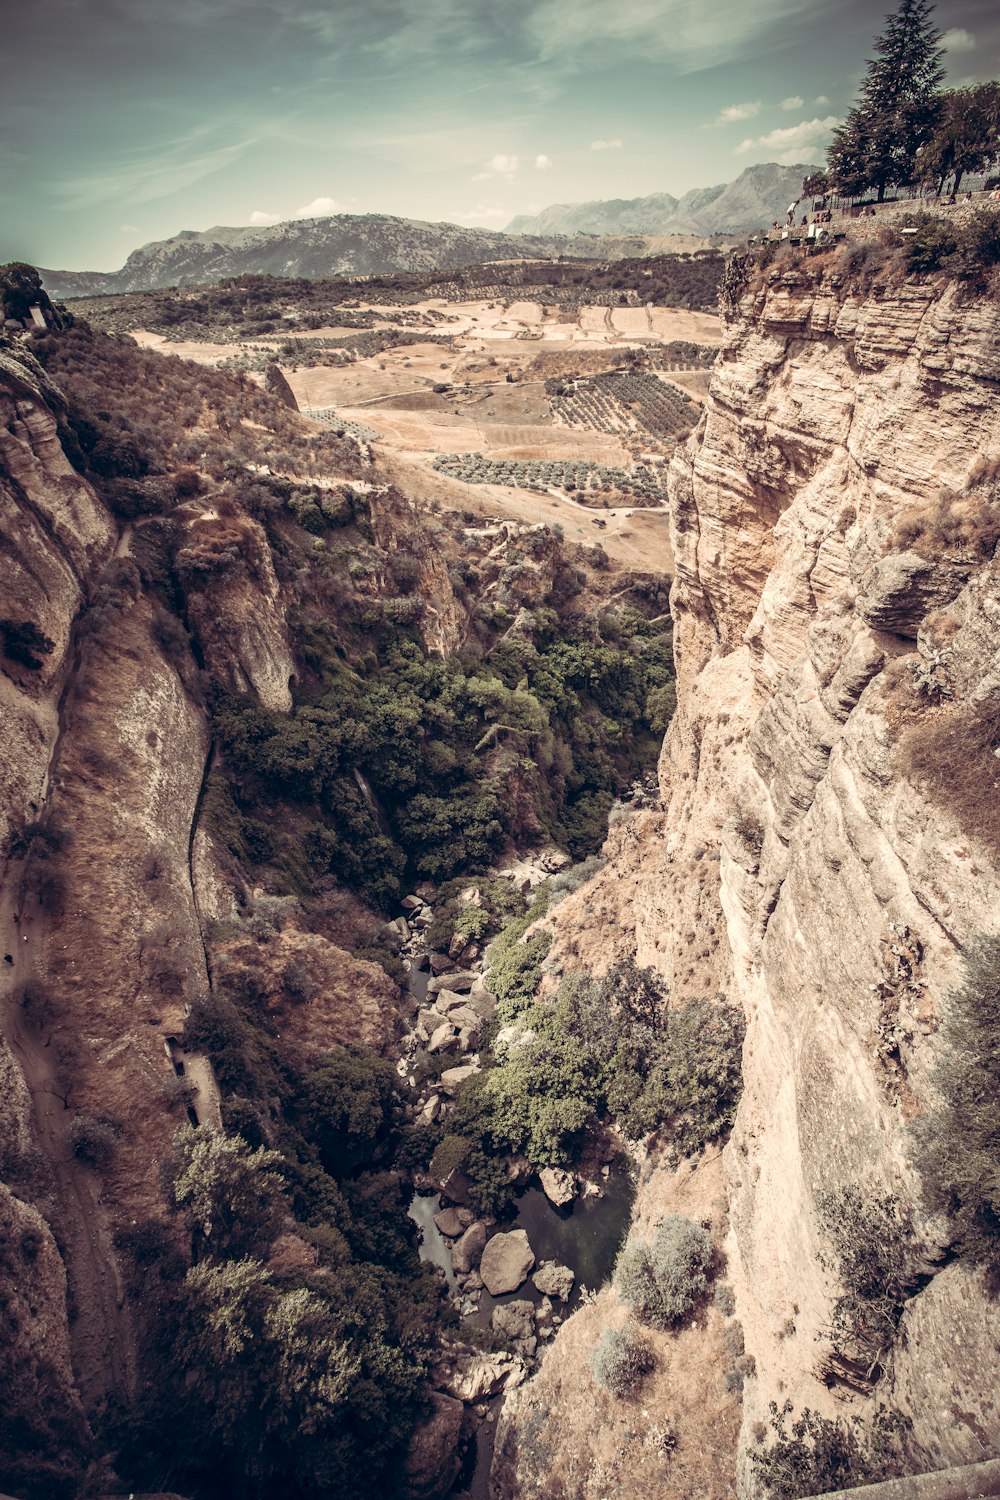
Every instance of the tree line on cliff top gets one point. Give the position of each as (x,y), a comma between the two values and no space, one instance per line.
(905,128)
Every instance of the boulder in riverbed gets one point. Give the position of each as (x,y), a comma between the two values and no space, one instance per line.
(558,1186)
(554,1280)
(430,1111)
(452,1221)
(452,1078)
(461,982)
(434,1456)
(506,1262)
(445,1001)
(516,1322)
(465,1252)
(444,1038)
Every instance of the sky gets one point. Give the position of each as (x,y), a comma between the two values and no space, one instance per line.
(126,121)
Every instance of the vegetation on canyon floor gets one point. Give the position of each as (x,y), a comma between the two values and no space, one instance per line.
(602,1049)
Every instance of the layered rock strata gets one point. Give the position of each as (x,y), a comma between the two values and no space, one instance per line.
(835,599)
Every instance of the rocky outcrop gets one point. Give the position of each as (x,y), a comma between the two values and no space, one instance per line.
(315,993)
(506,1262)
(235,609)
(56,535)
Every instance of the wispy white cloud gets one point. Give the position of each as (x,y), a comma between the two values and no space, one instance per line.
(612,145)
(688,35)
(485,214)
(543,163)
(821,99)
(958,40)
(130,229)
(154,172)
(734,112)
(791,143)
(794,101)
(500,165)
(318,208)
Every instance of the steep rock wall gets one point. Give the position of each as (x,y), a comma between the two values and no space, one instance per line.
(791,853)
(834,412)
(56,533)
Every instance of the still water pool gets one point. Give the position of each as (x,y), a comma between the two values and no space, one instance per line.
(586,1236)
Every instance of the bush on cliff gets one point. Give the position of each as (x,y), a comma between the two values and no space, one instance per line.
(958,1145)
(662,1281)
(621,1360)
(870,1235)
(818,1454)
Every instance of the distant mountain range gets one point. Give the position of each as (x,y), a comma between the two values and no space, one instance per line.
(341,245)
(759,195)
(378,244)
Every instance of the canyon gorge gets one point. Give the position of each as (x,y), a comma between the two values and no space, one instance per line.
(821,852)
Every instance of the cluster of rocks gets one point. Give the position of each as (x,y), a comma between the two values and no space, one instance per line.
(456,1013)
(501,1264)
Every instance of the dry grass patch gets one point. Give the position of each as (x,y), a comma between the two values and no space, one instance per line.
(953,753)
(960,527)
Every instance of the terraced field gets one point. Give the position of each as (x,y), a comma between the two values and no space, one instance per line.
(541,412)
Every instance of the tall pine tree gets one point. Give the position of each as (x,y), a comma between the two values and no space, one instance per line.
(896,113)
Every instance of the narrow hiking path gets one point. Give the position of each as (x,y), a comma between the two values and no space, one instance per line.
(100,1333)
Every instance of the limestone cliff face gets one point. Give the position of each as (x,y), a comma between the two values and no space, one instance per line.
(56,533)
(798,858)
(833,525)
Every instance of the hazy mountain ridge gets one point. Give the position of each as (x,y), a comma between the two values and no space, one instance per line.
(608,216)
(379,244)
(758,196)
(343,244)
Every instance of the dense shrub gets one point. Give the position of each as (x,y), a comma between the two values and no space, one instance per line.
(234,1196)
(870,1236)
(514,961)
(662,1282)
(932,243)
(958,1147)
(94,1141)
(344,1107)
(819,1454)
(23,642)
(291,1363)
(605,1048)
(675,1071)
(621,1360)
(435,742)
